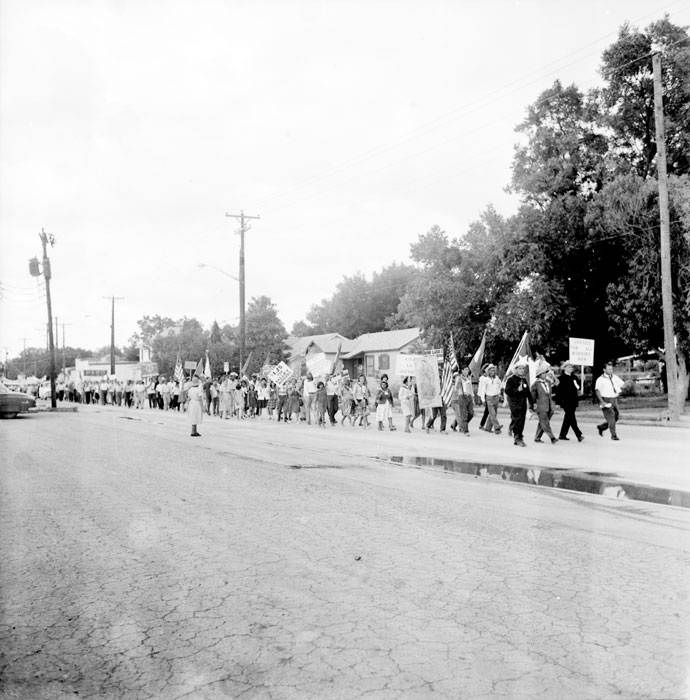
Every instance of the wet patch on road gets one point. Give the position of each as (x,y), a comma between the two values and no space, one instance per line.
(598,483)
(314,466)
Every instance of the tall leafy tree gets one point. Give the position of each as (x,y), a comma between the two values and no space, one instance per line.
(266,333)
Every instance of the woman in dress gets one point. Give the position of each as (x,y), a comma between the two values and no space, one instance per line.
(346,401)
(406,396)
(362,394)
(384,405)
(195,396)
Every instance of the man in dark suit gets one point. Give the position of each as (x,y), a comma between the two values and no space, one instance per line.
(567,397)
(519,395)
(543,404)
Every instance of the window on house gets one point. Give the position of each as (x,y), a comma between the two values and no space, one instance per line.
(369,359)
(384,362)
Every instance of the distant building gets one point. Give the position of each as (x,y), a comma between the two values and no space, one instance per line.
(94,369)
(369,354)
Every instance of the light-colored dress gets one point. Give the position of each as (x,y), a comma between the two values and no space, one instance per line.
(195,410)
(406,397)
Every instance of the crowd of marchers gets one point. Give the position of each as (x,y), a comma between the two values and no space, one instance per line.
(339,399)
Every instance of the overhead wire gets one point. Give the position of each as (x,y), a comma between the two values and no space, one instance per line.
(430,125)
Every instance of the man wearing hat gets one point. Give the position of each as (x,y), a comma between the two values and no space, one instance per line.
(543,404)
(491,392)
(567,397)
(519,395)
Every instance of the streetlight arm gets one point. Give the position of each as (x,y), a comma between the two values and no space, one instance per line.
(222,272)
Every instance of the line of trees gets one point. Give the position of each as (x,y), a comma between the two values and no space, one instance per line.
(581,255)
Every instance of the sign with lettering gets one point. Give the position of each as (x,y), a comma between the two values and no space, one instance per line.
(581,351)
(428,383)
(280,373)
(226,367)
(404,365)
(190,364)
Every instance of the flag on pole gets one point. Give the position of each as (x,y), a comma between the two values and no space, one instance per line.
(178,374)
(522,355)
(207,368)
(199,371)
(450,365)
(246,364)
(337,357)
(478,358)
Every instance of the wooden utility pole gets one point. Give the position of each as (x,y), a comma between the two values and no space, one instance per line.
(665,252)
(113,299)
(45,239)
(244,227)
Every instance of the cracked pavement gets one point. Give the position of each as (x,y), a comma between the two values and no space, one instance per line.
(138,563)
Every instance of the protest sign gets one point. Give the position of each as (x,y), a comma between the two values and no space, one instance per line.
(428,383)
(581,351)
(404,365)
(280,373)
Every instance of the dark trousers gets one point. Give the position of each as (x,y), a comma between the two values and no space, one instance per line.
(610,416)
(281,407)
(153,401)
(485,416)
(332,407)
(464,412)
(437,411)
(569,421)
(544,425)
(518,414)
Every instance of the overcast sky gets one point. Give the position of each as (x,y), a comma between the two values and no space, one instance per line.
(129,128)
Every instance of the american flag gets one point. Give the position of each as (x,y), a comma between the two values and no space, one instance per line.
(450,365)
(178,374)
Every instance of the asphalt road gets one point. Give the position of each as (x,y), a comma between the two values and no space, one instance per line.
(139,562)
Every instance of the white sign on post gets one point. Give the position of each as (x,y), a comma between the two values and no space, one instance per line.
(581,351)
(319,365)
(404,365)
(226,367)
(280,373)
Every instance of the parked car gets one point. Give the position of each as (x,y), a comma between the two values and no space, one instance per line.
(14,402)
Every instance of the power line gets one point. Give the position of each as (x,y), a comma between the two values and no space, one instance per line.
(468,108)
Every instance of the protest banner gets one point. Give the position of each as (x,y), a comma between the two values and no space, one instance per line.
(190,364)
(428,383)
(581,351)
(226,367)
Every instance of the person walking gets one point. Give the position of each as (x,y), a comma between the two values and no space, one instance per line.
(308,393)
(406,398)
(332,390)
(519,395)
(607,389)
(543,403)
(320,404)
(462,401)
(195,410)
(361,395)
(347,402)
(384,406)
(567,397)
(282,405)
(491,393)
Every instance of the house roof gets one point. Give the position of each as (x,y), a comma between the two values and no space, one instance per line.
(380,342)
(327,342)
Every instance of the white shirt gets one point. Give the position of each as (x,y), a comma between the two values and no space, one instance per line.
(609,387)
(309,387)
(488,387)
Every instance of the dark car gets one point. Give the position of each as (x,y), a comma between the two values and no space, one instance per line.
(14,402)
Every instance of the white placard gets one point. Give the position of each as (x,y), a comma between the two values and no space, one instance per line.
(280,373)
(581,351)
(319,365)
(226,367)
(428,383)
(404,365)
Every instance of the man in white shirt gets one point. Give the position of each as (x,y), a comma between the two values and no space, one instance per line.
(608,388)
(332,389)
(308,393)
(490,392)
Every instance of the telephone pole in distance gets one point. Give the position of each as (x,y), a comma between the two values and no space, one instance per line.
(244,227)
(113,299)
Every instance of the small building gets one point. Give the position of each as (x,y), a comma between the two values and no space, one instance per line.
(95,369)
(327,343)
(372,354)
